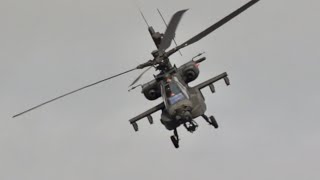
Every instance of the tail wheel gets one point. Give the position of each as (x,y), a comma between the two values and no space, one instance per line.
(175,141)
(213,122)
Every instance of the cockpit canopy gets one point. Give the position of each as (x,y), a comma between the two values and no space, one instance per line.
(173,91)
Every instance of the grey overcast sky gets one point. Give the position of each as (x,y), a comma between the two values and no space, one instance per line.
(269,116)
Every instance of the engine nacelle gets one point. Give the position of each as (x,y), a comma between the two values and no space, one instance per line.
(151,90)
(189,71)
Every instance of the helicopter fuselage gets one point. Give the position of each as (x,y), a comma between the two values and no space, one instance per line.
(184,111)
(182,103)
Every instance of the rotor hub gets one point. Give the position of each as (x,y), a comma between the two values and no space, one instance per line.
(155,53)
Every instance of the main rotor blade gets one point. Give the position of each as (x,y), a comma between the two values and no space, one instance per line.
(84,87)
(170,31)
(165,23)
(138,78)
(214,26)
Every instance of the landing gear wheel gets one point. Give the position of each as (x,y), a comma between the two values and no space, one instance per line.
(175,138)
(213,122)
(175,141)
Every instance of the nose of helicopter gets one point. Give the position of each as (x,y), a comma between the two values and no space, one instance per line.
(184,114)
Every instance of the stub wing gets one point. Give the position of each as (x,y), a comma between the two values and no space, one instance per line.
(147,114)
(213,80)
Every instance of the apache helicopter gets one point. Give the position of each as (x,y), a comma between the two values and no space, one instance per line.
(181,104)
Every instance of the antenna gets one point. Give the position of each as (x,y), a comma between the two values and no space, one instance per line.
(164,21)
(136,3)
(134,87)
(198,55)
(144,18)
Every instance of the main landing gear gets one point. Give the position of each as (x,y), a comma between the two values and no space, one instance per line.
(191,126)
(211,120)
(175,138)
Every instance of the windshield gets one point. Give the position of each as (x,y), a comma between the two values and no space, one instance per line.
(173,92)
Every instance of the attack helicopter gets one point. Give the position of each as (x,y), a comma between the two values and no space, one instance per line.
(182,104)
